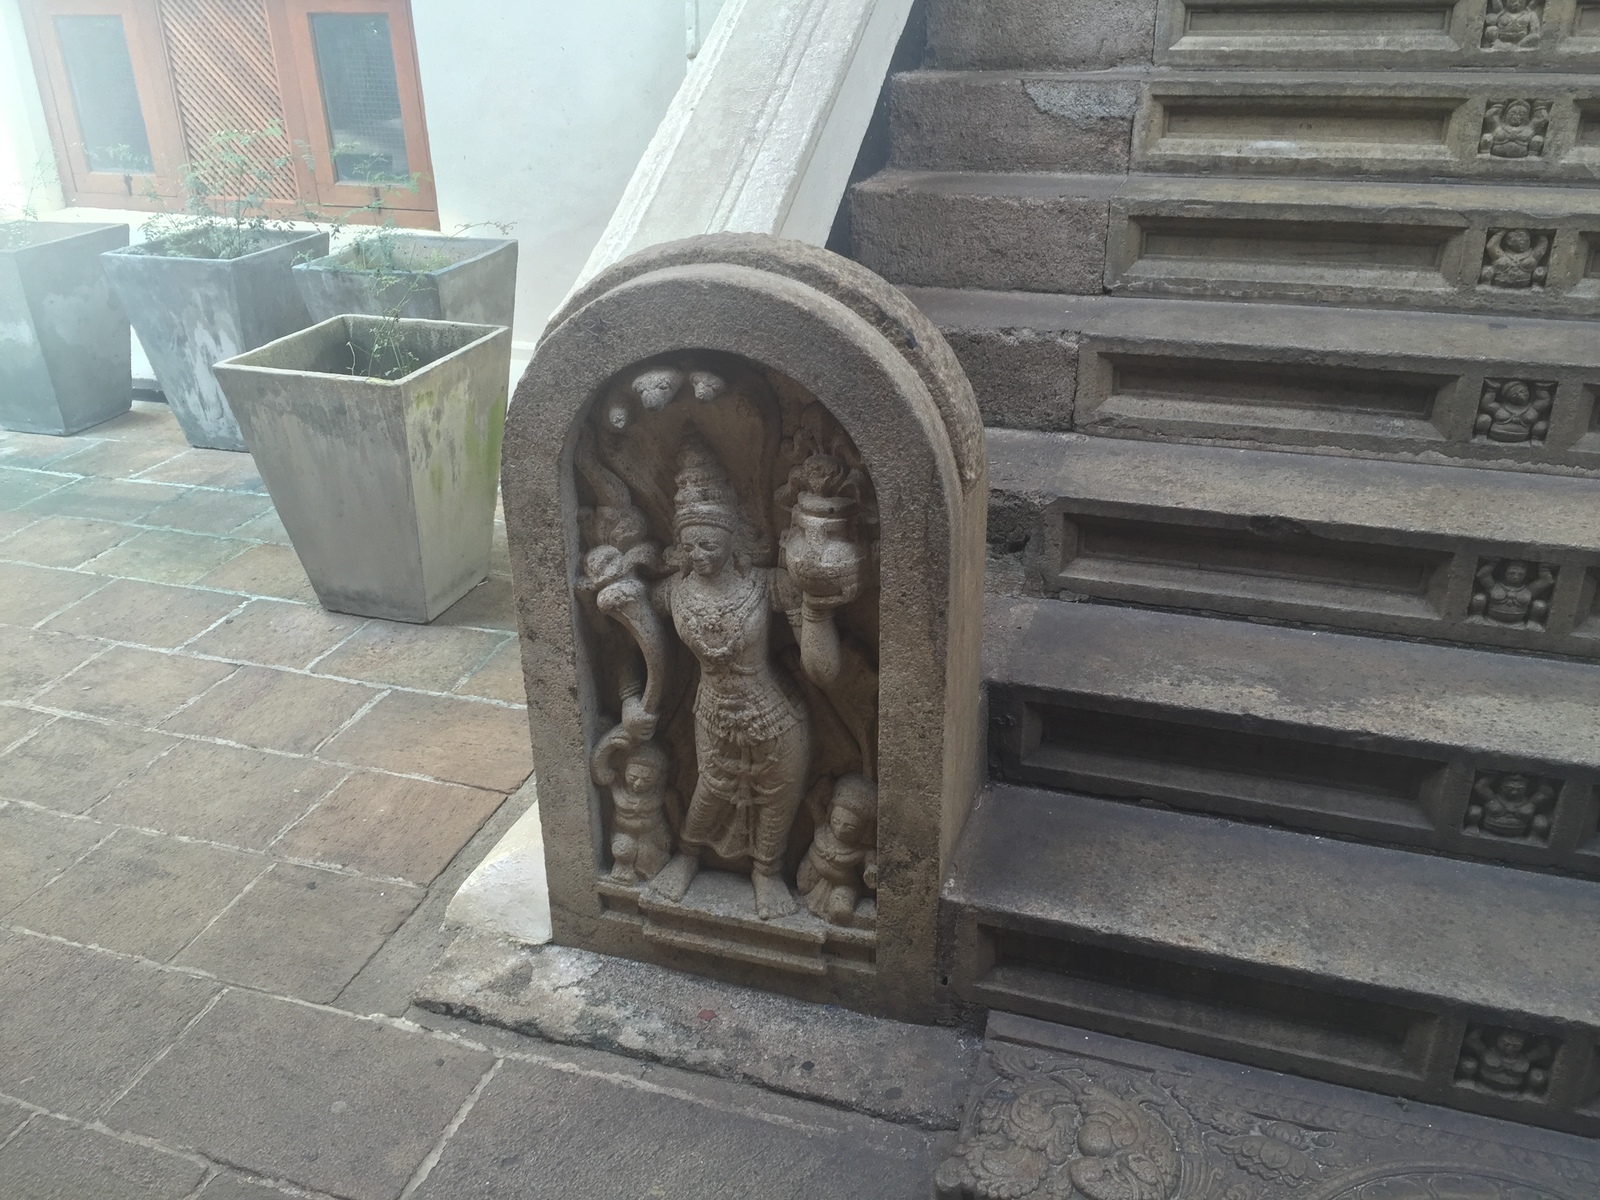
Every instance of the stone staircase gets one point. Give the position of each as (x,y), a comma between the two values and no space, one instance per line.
(1281,319)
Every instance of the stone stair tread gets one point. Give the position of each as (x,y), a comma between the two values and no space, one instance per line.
(1295,330)
(1346,687)
(1333,196)
(1265,901)
(1329,494)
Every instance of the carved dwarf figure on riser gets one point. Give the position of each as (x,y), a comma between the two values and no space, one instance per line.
(1515,258)
(641,843)
(1507,593)
(1512,24)
(842,862)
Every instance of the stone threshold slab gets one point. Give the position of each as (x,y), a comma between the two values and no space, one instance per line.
(1415,930)
(1060,1111)
(909,1074)
(1355,690)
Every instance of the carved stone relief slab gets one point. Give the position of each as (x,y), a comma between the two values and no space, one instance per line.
(745,490)
(1048,1125)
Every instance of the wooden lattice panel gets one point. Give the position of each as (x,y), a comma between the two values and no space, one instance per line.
(226,79)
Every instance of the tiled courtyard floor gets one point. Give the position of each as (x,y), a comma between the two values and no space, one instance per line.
(229,826)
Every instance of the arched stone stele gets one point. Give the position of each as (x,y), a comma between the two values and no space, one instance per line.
(745,493)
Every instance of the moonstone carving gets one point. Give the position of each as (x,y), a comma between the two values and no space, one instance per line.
(745,668)
(1515,258)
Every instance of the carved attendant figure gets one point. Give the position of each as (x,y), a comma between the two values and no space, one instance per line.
(640,841)
(1506,596)
(1513,410)
(1512,805)
(843,859)
(1505,1060)
(1514,129)
(1512,25)
(751,729)
(1514,258)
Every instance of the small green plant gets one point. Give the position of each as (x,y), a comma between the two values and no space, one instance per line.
(16,223)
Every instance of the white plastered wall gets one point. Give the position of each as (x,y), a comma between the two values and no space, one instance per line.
(26,161)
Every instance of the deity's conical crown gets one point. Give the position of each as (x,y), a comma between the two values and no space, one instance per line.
(704,496)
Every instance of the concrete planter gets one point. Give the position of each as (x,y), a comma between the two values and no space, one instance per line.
(439,279)
(193,312)
(387,488)
(64,347)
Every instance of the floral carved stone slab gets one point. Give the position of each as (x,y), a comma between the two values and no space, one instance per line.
(1058,1114)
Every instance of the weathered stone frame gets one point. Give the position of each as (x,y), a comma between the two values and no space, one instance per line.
(887,376)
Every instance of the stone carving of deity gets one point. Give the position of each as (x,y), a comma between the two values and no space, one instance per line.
(1512,24)
(1507,1061)
(1515,258)
(754,740)
(1511,805)
(1514,411)
(1508,593)
(1514,128)
(842,862)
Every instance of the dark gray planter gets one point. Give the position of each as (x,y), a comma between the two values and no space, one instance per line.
(64,347)
(475,280)
(191,313)
(387,488)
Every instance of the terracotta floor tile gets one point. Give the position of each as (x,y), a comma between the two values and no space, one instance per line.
(139,687)
(264,570)
(205,511)
(265,528)
(19,487)
(103,500)
(145,423)
(34,449)
(220,794)
(301,931)
(30,659)
(277,633)
(30,594)
(37,846)
(114,459)
(149,614)
(168,556)
(432,658)
(461,741)
(63,541)
(500,678)
(391,826)
(208,468)
(276,710)
(487,606)
(71,764)
(140,893)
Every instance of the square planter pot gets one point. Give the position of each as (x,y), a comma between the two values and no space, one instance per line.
(387,488)
(64,346)
(191,313)
(440,279)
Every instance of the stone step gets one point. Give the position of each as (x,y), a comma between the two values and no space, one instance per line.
(1394,743)
(1354,381)
(1369,124)
(1356,964)
(1458,246)
(1409,549)
(1310,34)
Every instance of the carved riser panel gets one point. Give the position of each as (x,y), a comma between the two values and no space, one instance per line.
(1361,405)
(1372,130)
(1398,33)
(1403,582)
(1391,1044)
(1405,258)
(1408,796)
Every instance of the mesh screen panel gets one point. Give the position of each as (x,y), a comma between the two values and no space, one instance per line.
(104,95)
(361,99)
